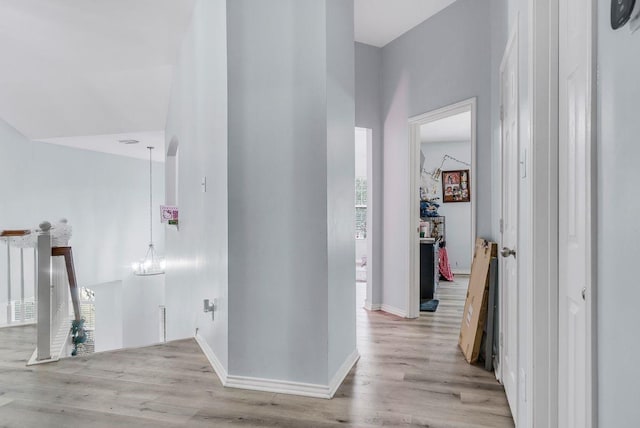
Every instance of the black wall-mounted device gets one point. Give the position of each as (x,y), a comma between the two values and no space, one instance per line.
(621,12)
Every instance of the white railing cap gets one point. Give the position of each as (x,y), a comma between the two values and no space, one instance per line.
(60,235)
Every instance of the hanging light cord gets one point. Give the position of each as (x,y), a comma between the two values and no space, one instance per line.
(150,198)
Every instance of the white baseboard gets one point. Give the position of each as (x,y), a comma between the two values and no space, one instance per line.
(342,372)
(393,310)
(278,386)
(61,345)
(461,271)
(273,385)
(371,306)
(213,359)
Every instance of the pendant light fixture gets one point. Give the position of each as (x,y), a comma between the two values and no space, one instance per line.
(152,263)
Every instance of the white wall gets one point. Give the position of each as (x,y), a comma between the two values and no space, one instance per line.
(458,214)
(104,197)
(109,316)
(142,297)
(340,112)
(197,254)
(618,233)
(291,193)
(444,60)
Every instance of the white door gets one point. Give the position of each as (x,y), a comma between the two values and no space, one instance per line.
(574,234)
(509,224)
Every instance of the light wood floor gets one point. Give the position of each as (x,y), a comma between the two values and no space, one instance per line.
(411,373)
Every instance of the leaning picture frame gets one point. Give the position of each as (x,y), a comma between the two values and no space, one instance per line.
(456,186)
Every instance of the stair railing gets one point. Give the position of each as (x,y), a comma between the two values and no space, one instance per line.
(54,276)
(17,278)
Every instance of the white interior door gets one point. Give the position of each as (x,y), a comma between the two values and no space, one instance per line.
(574,212)
(509,224)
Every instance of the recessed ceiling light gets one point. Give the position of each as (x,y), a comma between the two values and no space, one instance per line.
(128,141)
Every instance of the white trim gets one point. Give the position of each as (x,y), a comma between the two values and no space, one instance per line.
(413,287)
(372,306)
(543,286)
(213,359)
(342,372)
(33,361)
(278,386)
(592,306)
(274,385)
(59,347)
(18,324)
(372,208)
(393,310)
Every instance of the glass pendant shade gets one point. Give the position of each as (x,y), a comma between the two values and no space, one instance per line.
(152,263)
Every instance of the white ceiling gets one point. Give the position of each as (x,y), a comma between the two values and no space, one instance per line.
(110,143)
(90,67)
(378,22)
(449,129)
(89,73)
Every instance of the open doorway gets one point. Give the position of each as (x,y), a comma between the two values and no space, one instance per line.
(363,215)
(445,155)
(443,147)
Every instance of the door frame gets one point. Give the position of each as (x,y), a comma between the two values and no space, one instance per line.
(543,313)
(371,200)
(415,122)
(544,190)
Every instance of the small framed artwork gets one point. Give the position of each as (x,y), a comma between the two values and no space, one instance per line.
(169,214)
(456,186)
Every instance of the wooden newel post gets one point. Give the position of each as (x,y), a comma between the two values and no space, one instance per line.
(43,286)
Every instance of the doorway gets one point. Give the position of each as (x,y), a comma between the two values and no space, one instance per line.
(443,214)
(363,215)
(445,157)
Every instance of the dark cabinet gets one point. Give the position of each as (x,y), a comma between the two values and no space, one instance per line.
(429,272)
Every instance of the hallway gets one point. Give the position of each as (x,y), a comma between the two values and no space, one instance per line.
(397,382)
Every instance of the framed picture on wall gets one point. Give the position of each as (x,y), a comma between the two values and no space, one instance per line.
(456,186)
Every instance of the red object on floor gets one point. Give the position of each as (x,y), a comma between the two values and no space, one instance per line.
(443,265)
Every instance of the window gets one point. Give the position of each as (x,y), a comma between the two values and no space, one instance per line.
(361,208)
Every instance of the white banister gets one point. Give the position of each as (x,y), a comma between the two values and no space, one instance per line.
(48,280)
(22,311)
(43,286)
(17,278)
(9,317)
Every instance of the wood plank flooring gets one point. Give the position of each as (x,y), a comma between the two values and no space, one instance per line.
(411,374)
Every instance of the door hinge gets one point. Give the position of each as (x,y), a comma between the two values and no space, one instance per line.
(501,339)
(501,226)
(501,113)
